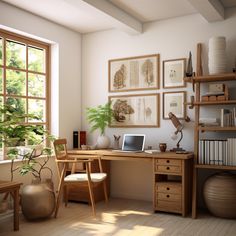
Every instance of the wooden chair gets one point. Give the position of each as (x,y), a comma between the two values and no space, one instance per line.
(66,163)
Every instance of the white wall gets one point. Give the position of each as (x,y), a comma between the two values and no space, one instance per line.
(172,38)
(65,71)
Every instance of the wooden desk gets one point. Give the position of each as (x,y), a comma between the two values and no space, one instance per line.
(13,188)
(172,176)
(114,155)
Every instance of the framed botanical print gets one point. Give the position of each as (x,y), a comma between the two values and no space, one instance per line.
(174,102)
(136,110)
(134,73)
(173,73)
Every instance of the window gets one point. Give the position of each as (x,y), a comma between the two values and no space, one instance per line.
(24,76)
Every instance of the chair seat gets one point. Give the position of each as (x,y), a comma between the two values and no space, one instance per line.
(82,177)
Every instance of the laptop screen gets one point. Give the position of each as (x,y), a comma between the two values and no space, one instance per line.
(133,142)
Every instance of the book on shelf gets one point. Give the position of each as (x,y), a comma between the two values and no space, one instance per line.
(217,152)
(227,117)
(231,159)
(207,121)
(214,93)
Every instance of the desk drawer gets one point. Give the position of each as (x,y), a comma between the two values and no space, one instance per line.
(169,206)
(169,162)
(169,197)
(168,169)
(168,187)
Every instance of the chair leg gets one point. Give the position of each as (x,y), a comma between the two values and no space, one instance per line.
(66,195)
(91,197)
(105,190)
(59,193)
(57,201)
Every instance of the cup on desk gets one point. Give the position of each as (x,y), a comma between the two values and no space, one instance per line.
(85,147)
(162,147)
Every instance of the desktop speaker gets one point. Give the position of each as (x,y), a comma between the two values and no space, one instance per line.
(75,139)
(82,138)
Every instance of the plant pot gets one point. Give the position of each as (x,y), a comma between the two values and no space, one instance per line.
(103,142)
(37,201)
(3,206)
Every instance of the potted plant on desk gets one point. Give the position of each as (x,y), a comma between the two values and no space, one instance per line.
(100,117)
(37,200)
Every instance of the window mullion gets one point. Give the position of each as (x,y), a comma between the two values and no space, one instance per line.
(4,70)
(4,87)
(26,84)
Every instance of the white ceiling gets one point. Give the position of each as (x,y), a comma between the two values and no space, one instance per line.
(94,15)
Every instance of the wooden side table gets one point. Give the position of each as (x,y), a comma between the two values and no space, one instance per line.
(13,188)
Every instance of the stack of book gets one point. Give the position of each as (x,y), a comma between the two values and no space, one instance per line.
(217,152)
(227,117)
(209,121)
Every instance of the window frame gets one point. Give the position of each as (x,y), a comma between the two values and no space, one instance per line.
(28,42)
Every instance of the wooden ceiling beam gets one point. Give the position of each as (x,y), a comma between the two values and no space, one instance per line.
(211,10)
(124,21)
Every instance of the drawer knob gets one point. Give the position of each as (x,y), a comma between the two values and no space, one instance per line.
(168,161)
(167,167)
(167,188)
(167,196)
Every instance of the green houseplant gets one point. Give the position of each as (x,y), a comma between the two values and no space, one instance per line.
(100,117)
(15,135)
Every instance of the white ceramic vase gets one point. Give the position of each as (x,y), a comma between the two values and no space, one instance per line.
(217,55)
(103,142)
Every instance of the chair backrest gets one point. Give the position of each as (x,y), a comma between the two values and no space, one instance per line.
(60,149)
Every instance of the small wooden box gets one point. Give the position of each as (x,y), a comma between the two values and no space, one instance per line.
(216,88)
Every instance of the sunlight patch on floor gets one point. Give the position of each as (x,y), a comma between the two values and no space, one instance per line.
(151,230)
(129,212)
(109,218)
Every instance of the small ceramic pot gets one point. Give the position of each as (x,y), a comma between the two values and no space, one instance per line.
(162,147)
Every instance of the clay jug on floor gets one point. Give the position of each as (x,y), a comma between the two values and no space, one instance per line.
(37,200)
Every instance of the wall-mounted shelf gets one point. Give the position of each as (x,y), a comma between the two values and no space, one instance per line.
(228,102)
(216,167)
(211,78)
(216,128)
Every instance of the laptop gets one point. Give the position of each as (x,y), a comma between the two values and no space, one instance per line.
(133,143)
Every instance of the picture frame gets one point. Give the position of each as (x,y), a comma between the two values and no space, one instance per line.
(138,110)
(174,73)
(174,102)
(134,73)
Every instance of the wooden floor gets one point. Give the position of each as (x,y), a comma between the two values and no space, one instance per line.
(120,217)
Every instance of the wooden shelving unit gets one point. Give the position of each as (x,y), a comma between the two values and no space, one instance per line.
(211,78)
(197,104)
(216,167)
(229,102)
(216,128)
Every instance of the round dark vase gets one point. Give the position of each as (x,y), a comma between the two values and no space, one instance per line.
(162,147)
(219,193)
(37,200)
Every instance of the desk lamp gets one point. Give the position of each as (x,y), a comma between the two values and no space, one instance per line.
(179,127)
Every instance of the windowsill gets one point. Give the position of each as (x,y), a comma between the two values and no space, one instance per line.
(2,162)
